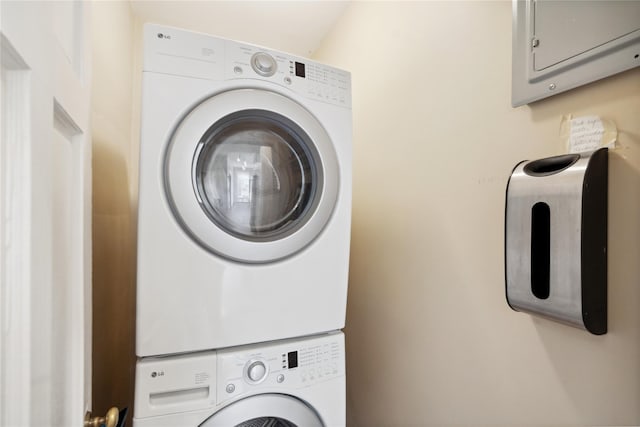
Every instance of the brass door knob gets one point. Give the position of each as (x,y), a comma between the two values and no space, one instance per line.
(109,420)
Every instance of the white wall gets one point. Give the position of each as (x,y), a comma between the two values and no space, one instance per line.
(430,338)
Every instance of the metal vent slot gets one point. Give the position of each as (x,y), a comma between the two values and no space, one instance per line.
(540,250)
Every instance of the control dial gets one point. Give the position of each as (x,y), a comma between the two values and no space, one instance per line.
(264,64)
(256,371)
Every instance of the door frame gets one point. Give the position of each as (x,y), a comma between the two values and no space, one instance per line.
(15,235)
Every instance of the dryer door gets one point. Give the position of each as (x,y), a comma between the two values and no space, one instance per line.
(251,175)
(272,410)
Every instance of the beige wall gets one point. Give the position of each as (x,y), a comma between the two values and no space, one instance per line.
(113,219)
(430,338)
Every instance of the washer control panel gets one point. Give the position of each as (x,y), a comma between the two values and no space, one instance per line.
(166,385)
(279,366)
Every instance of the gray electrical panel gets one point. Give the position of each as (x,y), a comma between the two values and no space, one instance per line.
(558,45)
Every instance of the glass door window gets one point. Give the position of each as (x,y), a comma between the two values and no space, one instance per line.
(265,410)
(251,175)
(255,175)
(266,422)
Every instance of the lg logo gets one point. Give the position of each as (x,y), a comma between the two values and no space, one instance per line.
(157,374)
(164,36)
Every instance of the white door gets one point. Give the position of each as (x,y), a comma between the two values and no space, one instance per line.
(263,171)
(45,196)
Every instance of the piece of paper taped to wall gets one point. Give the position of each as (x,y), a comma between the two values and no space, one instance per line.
(587,133)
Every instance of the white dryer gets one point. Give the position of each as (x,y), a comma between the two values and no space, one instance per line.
(244,195)
(282,384)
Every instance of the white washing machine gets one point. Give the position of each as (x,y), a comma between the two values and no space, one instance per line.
(244,197)
(282,384)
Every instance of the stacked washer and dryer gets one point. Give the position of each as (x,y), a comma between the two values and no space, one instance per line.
(243,235)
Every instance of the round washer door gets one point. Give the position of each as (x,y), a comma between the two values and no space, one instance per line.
(251,175)
(274,410)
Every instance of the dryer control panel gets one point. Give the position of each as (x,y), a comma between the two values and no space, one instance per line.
(316,81)
(185,53)
(278,367)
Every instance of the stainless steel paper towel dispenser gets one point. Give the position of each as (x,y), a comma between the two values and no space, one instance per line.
(556,239)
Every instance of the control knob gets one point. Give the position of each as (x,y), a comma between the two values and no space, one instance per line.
(263,64)
(256,371)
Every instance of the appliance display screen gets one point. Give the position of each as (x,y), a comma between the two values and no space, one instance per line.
(300,70)
(292,359)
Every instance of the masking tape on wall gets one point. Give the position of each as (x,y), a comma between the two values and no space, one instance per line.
(587,133)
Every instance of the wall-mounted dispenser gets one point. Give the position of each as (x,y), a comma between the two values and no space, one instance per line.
(556,239)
